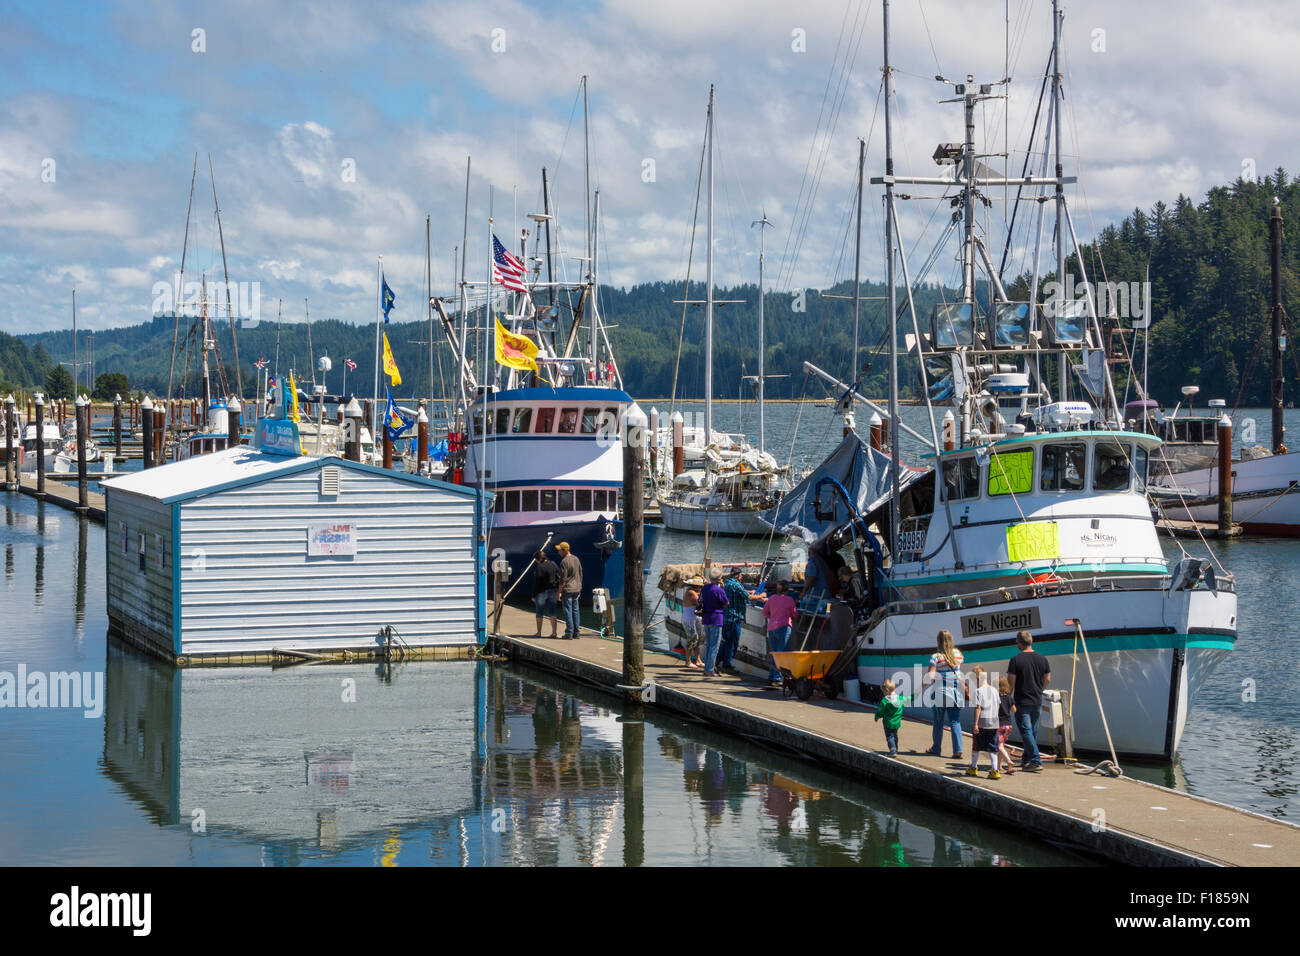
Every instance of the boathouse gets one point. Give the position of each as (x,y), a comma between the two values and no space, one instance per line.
(243,556)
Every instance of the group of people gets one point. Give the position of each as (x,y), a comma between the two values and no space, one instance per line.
(713,615)
(1017,699)
(557,584)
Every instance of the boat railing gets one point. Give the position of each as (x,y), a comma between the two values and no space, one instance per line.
(902,580)
(1055,587)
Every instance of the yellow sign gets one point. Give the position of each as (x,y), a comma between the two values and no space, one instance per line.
(1034,541)
(515,351)
(1011,473)
(390,366)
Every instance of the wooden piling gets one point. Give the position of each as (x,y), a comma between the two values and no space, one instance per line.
(234,416)
(422,440)
(159,436)
(40,447)
(1225,475)
(388,447)
(146,416)
(352,431)
(117,426)
(634,561)
(11,446)
(82,410)
(679,440)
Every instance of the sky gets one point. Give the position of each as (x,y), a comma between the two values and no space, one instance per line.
(334,128)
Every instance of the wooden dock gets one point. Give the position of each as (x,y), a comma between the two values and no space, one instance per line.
(1196,529)
(64,494)
(1120,820)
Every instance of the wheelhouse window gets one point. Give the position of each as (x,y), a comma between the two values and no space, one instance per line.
(545,421)
(565,502)
(503,421)
(1063,467)
(582,500)
(1111,469)
(1140,467)
(512,501)
(528,500)
(590,418)
(1011,473)
(523,420)
(961,478)
(568,421)
(598,500)
(548,500)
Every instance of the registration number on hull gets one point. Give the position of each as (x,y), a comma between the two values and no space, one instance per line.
(996,622)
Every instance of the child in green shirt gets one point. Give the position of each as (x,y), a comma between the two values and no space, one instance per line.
(890,710)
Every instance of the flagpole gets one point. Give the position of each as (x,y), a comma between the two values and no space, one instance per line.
(379,310)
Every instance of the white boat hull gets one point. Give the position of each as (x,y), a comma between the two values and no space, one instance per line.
(1151,651)
(1265,495)
(738,523)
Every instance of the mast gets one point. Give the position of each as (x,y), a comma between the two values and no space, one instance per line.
(586,202)
(464,295)
(203,333)
(857,263)
(76,369)
(762,325)
(708,293)
(1063,363)
(546,211)
(1275,248)
(230,314)
(595,299)
(428,296)
(311,353)
(891,295)
(180,292)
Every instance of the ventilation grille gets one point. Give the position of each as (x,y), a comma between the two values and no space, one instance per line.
(329,482)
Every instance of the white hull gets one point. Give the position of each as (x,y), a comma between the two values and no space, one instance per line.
(1265,495)
(1151,651)
(739,522)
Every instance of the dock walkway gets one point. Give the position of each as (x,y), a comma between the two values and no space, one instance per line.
(64,494)
(1118,819)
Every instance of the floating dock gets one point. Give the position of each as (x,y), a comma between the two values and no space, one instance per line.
(1120,820)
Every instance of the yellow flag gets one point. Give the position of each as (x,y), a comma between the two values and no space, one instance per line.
(515,351)
(293,392)
(390,366)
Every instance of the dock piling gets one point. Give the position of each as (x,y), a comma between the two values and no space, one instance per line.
(117,425)
(1225,475)
(352,431)
(146,417)
(40,446)
(422,440)
(82,410)
(634,560)
(11,447)
(234,415)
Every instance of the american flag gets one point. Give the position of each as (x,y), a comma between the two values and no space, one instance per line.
(261,363)
(352,366)
(506,268)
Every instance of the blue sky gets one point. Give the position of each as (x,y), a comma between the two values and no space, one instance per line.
(285,95)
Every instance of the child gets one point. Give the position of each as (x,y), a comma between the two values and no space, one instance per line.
(986,725)
(1005,719)
(890,710)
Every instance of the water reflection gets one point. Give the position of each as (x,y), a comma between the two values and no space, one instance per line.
(469,764)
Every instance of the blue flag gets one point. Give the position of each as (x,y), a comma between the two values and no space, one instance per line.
(387,295)
(394,423)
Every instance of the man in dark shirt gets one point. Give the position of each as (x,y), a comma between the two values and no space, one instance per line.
(1028,673)
(546,584)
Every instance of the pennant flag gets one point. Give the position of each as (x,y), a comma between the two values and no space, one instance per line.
(387,297)
(506,268)
(394,423)
(261,363)
(515,351)
(390,366)
(352,366)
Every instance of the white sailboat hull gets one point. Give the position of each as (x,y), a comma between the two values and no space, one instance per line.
(1265,495)
(737,522)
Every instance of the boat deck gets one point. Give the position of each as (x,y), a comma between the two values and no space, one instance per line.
(1121,820)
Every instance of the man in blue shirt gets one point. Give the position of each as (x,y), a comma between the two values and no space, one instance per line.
(733,619)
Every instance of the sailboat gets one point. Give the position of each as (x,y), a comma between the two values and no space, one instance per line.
(1033,513)
(733,483)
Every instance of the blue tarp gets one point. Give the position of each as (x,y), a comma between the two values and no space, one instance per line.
(864,473)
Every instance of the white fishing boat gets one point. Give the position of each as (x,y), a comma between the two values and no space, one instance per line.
(1032,515)
(735,483)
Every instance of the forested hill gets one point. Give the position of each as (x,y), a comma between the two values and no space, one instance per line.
(1209,267)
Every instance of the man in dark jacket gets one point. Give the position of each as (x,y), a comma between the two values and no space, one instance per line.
(570,589)
(546,585)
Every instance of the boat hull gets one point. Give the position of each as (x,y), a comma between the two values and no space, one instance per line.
(733,523)
(1265,495)
(601,568)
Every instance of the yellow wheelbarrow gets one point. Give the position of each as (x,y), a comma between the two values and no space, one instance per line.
(802,672)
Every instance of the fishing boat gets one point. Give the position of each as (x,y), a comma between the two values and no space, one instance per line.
(542,414)
(737,483)
(1264,481)
(1032,511)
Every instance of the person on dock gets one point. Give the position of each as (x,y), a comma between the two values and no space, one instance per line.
(737,602)
(570,590)
(986,726)
(947,693)
(691,631)
(712,611)
(890,710)
(1006,716)
(781,612)
(546,588)
(1029,673)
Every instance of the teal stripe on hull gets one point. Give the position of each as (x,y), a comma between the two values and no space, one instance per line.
(1123,642)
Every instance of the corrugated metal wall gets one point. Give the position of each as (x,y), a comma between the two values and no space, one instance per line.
(247,584)
(139,601)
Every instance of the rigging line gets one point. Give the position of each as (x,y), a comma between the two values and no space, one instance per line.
(1024,169)
(690,258)
(853,186)
(812,144)
(826,154)
(846,76)
(929,36)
